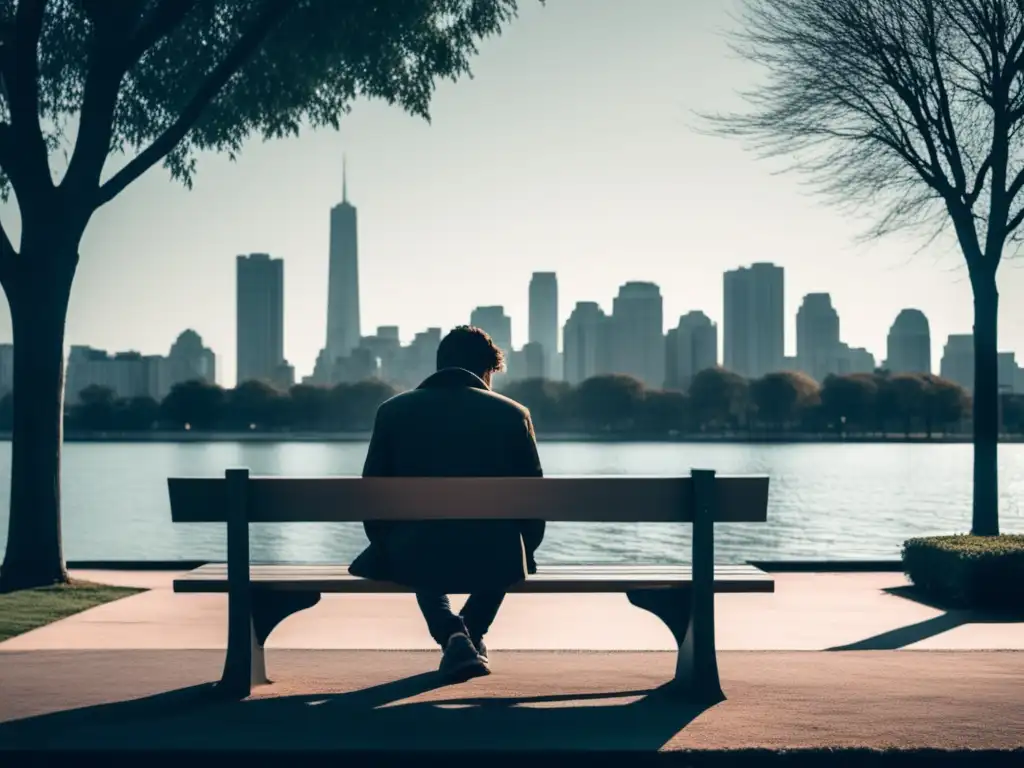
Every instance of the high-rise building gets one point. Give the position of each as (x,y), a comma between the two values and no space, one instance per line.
(126,374)
(755,323)
(586,343)
(188,360)
(854,360)
(386,348)
(1008,372)
(132,374)
(909,345)
(260,317)
(343,332)
(957,363)
(544,318)
(535,361)
(690,348)
(818,348)
(638,333)
(419,359)
(497,324)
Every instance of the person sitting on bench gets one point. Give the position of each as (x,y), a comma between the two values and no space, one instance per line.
(454,425)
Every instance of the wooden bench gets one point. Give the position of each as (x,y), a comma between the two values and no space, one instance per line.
(261,596)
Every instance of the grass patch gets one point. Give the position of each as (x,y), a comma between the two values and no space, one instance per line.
(31,608)
(985,572)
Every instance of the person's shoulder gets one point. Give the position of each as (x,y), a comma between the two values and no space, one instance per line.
(507,404)
(394,403)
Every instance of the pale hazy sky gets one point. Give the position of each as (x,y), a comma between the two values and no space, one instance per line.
(571,150)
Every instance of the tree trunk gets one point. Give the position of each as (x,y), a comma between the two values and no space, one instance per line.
(38,294)
(985,518)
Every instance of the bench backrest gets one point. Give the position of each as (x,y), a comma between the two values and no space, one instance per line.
(604,499)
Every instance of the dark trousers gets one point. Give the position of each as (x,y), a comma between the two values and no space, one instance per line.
(474,619)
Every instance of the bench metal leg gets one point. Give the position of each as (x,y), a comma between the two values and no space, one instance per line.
(245,665)
(696,662)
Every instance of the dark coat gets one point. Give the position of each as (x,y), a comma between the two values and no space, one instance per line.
(452,425)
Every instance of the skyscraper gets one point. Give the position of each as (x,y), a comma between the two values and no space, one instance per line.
(957,362)
(690,348)
(818,347)
(259,316)
(343,278)
(497,324)
(544,318)
(586,343)
(755,322)
(638,333)
(909,344)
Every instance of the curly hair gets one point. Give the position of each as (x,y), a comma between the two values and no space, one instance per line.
(471,348)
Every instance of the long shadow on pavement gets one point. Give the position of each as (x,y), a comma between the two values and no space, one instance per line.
(375,718)
(902,637)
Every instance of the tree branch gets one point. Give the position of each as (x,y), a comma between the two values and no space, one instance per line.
(96,122)
(1015,222)
(121,39)
(22,64)
(246,46)
(159,23)
(979,182)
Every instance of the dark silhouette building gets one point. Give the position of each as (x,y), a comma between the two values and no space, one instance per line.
(544,319)
(343,331)
(260,317)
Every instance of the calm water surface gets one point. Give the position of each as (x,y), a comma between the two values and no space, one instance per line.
(827,501)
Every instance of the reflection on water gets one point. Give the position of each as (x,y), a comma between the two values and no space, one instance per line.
(830,501)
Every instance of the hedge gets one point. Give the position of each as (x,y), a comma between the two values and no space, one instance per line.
(985,572)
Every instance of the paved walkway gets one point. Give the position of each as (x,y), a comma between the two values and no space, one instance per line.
(807,612)
(137,672)
(535,700)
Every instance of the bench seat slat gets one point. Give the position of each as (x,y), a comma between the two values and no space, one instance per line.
(552,578)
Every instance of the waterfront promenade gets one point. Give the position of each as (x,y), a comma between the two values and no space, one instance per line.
(831,660)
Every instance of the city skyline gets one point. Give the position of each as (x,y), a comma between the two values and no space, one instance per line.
(452,211)
(627,339)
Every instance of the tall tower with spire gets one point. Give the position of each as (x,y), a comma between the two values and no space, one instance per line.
(343,331)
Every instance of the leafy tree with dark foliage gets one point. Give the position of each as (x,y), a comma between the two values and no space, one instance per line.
(945,403)
(307,406)
(160,80)
(664,412)
(353,406)
(193,405)
(254,404)
(95,408)
(719,398)
(607,403)
(903,396)
(780,398)
(546,399)
(135,414)
(912,110)
(789,402)
(850,401)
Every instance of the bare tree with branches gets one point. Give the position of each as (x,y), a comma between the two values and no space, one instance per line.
(912,110)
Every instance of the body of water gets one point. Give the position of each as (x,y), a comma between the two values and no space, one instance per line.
(827,501)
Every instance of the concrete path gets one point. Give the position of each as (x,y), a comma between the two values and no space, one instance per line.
(535,700)
(808,612)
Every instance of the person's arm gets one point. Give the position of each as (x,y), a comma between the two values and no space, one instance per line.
(530,466)
(378,455)
(531,461)
(378,464)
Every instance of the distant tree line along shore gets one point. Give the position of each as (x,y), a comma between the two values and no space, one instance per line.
(717,401)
